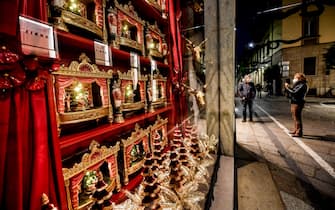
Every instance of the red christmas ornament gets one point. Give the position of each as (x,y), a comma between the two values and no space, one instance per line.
(17,76)
(31,63)
(55,66)
(5,82)
(7,59)
(35,84)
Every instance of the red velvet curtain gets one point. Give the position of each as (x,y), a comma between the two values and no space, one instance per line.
(8,16)
(10,9)
(30,160)
(27,149)
(180,98)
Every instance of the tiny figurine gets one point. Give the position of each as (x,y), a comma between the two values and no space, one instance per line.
(149,93)
(101,195)
(68,102)
(46,205)
(117,96)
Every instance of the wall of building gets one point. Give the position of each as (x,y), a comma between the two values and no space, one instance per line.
(291,30)
(327,25)
(295,55)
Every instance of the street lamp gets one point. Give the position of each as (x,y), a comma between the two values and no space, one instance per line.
(251,45)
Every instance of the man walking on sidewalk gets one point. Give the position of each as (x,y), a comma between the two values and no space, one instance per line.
(247,93)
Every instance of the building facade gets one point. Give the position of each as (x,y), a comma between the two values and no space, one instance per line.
(296,43)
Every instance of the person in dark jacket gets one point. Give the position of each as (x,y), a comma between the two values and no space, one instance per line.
(247,92)
(297,95)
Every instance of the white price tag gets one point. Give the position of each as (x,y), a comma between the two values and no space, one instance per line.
(134,60)
(37,38)
(102,54)
(153,65)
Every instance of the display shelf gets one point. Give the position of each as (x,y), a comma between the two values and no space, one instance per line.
(71,144)
(67,40)
(125,56)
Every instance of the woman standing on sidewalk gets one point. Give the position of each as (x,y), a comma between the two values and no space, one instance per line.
(297,94)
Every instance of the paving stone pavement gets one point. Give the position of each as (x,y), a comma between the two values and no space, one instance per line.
(265,140)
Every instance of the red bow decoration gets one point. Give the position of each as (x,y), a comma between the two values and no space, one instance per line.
(5,82)
(7,59)
(12,74)
(37,82)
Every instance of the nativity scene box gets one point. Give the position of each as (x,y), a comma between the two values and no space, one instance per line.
(156,46)
(159,98)
(134,150)
(82,94)
(158,133)
(125,27)
(81,17)
(129,94)
(97,169)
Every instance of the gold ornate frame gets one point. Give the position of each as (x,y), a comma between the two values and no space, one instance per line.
(127,13)
(139,136)
(153,32)
(81,71)
(157,4)
(71,18)
(91,161)
(160,80)
(160,124)
(126,79)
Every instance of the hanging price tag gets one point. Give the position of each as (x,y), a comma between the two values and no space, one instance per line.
(134,60)
(103,54)
(37,38)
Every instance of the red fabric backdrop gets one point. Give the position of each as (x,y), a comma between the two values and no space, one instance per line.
(30,161)
(175,22)
(29,152)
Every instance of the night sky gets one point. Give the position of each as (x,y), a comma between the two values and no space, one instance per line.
(249,25)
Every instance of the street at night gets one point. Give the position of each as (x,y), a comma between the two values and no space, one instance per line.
(301,170)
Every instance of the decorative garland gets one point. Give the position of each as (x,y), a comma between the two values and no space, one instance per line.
(18,71)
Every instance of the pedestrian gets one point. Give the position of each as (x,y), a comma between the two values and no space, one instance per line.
(297,96)
(247,93)
(259,90)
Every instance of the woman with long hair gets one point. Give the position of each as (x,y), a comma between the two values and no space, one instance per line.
(297,95)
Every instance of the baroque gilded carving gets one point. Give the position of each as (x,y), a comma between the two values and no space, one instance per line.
(83,68)
(91,163)
(134,149)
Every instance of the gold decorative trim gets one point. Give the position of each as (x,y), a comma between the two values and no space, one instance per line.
(159,77)
(136,135)
(154,28)
(82,116)
(155,4)
(128,9)
(159,124)
(77,20)
(130,43)
(75,69)
(90,159)
(133,106)
(128,76)
(155,53)
(159,102)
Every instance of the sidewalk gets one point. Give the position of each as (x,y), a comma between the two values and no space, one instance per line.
(283,159)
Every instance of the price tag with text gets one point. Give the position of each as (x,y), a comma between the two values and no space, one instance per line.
(103,54)
(37,38)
